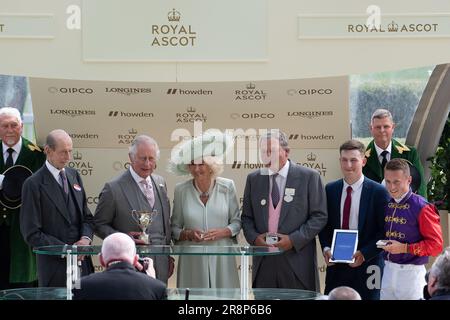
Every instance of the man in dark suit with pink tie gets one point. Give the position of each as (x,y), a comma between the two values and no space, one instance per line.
(355,202)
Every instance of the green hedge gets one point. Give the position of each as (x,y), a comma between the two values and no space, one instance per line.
(439,186)
(401,98)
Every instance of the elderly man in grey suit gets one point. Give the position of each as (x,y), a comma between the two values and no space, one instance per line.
(284,206)
(138,189)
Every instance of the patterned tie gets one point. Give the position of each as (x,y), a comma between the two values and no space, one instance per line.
(384,160)
(347,205)
(64,184)
(148,192)
(275,191)
(9,161)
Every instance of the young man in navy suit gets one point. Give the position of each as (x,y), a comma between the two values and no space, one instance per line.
(357,203)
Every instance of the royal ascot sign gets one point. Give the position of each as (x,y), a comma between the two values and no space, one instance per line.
(390,26)
(27,26)
(187,30)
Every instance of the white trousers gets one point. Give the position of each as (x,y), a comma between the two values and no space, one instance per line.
(402,281)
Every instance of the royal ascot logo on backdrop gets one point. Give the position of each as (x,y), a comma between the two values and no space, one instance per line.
(128,137)
(311,162)
(394,27)
(191,115)
(189,92)
(252,116)
(173,34)
(310,114)
(309,92)
(72,112)
(250,93)
(125,114)
(128,91)
(85,168)
(320,137)
(55,90)
(83,136)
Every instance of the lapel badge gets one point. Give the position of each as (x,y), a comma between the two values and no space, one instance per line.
(288,198)
(263,202)
(289,192)
(77,187)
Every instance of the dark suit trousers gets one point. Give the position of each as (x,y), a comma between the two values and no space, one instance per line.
(58,266)
(342,275)
(275,272)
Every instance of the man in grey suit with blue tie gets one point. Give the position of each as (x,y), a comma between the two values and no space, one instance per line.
(284,206)
(138,189)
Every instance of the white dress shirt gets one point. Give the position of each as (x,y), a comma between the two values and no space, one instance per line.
(379,151)
(356,198)
(15,155)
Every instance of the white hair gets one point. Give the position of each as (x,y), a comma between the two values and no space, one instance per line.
(13,112)
(344,293)
(140,140)
(441,270)
(118,246)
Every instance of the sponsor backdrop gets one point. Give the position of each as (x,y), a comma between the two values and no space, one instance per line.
(104,117)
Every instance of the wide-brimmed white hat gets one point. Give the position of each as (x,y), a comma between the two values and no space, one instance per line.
(213,143)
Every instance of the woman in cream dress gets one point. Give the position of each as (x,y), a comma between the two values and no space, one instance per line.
(205,212)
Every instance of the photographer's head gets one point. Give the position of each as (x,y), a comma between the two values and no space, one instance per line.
(118,247)
(344,293)
(439,277)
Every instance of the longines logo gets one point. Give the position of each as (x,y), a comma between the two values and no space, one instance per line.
(173,34)
(309,114)
(250,93)
(72,112)
(309,92)
(296,136)
(2,27)
(393,27)
(313,164)
(123,114)
(183,92)
(252,116)
(83,167)
(71,90)
(246,165)
(191,115)
(129,91)
(84,136)
(128,137)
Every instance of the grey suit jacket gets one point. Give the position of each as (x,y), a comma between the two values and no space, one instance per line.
(118,198)
(44,219)
(302,218)
(113,213)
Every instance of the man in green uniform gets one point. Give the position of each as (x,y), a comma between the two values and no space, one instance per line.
(383,148)
(17,261)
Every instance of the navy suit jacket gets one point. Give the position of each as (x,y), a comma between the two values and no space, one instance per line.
(374,198)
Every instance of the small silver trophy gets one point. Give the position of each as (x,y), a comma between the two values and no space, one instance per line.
(144,219)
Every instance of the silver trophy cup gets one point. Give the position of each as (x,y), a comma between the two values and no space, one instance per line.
(144,219)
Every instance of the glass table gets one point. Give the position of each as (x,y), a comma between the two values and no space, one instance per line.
(72,253)
(172,294)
